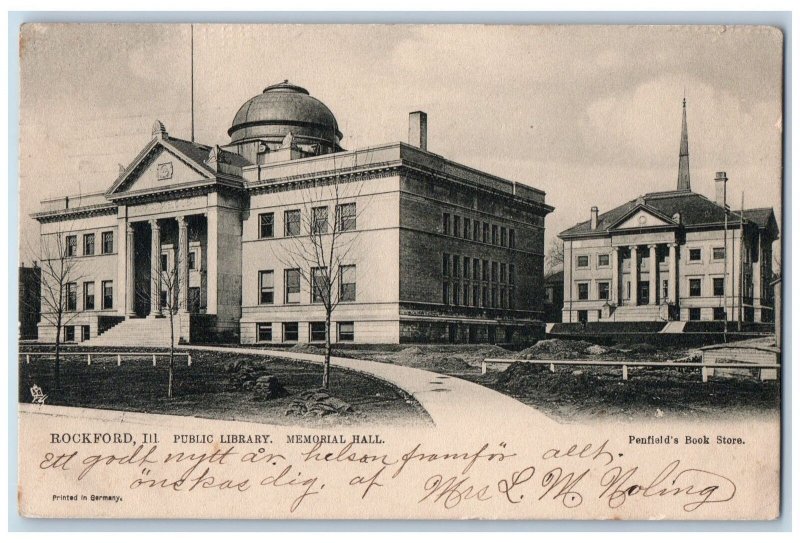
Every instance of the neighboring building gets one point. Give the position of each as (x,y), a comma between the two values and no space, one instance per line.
(553,296)
(672,255)
(443,253)
(30,286)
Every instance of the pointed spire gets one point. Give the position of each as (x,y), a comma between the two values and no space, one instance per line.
(683,158)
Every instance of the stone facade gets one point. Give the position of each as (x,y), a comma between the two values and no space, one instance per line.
(229,222)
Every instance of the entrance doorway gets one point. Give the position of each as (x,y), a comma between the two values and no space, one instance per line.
(644,293)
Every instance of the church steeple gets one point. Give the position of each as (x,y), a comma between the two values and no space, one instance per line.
(683,158)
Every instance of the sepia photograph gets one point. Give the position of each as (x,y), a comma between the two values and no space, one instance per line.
(400,271)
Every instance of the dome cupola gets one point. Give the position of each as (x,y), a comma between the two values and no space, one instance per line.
(283,109)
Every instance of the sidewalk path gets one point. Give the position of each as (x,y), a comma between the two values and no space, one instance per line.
(448,400)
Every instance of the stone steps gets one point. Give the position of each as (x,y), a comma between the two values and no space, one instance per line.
(137,333)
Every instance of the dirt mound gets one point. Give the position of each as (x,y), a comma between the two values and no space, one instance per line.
(555,348)
(306,348)
(318,403)
(522,377)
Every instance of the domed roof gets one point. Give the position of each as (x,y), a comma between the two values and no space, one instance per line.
(281,109)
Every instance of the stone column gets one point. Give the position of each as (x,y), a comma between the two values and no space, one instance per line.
(155,268)
(183,263)
(615,276)
(634,275)
(653,274)
(673,273)
(130,275)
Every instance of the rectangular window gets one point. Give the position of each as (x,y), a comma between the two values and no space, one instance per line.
(486,232)
(603,291)
(72,246)
(72,296)
(192,260)
(583,291)
(495,238)
(346,332)
(583,261)
(88,244)
(346,217)
(695,287)
(266,225)
(456,266)
(494,272)
(69,333)
(163,299)
(476,295)
(445,264)
(291,223)
(503,298)
(695,255)
(317,331)
(319,220)
(108,294)
(503,236)
(347,284)
(292,286)
(108,243)
(512,238)
(719,286)
(266,287)
(476,269)
(512,274)
(319,285)
(86,332)
(457,226)
(512,297)
(466,267)
(264,331)
(466,294)
(485,276)
(503,273)
(719,253)
(291,332)
(719,314)
(603,260)
(476,230)
(694,313)
(665,289)
(446,224)
(456,294)
(485,296)
(88,296)
(164,263)
(445,293)
(467,228)
(494,296)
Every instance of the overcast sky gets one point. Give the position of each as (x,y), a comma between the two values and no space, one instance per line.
(590,115)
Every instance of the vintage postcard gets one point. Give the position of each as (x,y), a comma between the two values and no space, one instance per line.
(400,271)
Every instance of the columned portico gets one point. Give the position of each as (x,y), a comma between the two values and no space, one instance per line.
(673,273)
(130,286)
(653,274)
(183,265)
(615,297)
(634,295)
(155,269)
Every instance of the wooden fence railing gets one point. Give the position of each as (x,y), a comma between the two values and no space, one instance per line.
(704,368)
(90,354)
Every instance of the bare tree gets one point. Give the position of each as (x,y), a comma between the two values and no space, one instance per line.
(320,251)
(555,255)
(171,286)
(61,276)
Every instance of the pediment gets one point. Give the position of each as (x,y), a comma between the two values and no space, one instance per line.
(641,218)
(159,167)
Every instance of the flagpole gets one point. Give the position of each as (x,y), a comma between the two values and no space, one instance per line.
(192,81)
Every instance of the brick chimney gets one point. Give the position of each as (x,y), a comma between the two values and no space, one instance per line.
(720,183)
(418,129)
(593,222)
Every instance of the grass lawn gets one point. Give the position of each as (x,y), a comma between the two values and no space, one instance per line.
(207,390)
